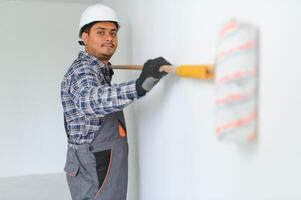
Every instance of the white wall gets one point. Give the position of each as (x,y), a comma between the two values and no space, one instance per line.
(179,155)
(36,48)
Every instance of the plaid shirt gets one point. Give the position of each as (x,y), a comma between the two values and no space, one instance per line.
(87,96)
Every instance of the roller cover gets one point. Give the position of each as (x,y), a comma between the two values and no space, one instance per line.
(236,81)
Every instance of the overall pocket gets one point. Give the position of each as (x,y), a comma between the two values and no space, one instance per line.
(73,179)
(80,174)
(71,169)
(121,129)
(103,164)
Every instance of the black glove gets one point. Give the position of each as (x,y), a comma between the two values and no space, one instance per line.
(150,75)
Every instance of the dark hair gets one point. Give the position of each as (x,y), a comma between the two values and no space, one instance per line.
(87,27)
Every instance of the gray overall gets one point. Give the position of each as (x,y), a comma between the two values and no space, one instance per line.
(100,170)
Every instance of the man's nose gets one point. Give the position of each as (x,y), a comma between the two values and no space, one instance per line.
(109,37)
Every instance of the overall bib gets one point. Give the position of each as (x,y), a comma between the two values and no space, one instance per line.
(100,170)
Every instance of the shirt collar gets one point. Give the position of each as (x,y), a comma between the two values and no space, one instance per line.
(103,67)
(84,54)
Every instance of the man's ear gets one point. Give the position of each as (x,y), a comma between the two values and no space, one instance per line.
(85,37)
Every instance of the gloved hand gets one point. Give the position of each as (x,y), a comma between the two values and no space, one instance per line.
(150,75)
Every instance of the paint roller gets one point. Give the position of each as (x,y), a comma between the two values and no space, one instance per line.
(235,78)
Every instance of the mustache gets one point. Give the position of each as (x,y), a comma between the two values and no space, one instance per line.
(108,44)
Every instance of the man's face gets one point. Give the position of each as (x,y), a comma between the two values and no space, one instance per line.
(101,41)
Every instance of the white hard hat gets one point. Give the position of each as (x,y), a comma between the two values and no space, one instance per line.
(96,12)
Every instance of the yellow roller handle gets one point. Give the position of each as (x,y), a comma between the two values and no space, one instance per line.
(192,71)
(195,71)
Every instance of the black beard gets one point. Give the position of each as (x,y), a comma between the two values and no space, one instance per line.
(104,57)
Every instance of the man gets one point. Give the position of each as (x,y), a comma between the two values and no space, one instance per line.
(97,156)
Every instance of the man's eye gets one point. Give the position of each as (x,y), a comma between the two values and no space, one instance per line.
(114,34)
(100,32)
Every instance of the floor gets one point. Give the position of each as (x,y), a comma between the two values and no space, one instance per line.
(35,187)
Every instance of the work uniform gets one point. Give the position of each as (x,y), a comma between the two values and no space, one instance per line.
(97,156)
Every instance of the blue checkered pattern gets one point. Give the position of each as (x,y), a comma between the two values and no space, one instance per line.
(87,96)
